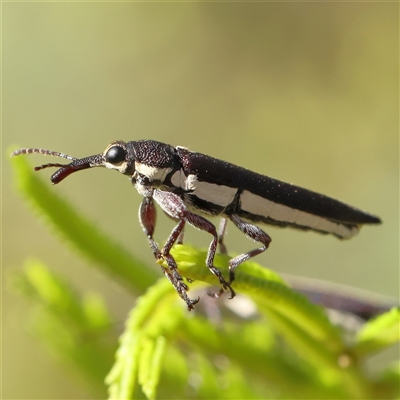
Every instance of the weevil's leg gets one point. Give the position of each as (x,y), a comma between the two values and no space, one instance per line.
(181,289)
(173,205)
(147,218)
(252,232)
(182,234)
(177,281)
(221,234)
(181,237)
(165,252)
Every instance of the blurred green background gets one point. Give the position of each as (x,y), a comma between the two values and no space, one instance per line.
(303,92)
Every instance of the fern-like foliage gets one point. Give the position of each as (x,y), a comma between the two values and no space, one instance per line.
(285,347)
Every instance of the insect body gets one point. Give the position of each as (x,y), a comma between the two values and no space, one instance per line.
(190,186)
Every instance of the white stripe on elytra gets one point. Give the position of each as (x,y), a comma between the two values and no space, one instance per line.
(216,194)
(257,205)
(153,173)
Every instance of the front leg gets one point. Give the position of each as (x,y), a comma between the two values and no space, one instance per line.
(147,218)
(174,206)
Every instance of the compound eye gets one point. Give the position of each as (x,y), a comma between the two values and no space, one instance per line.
(115,155)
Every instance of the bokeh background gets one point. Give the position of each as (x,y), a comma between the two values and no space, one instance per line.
(304,92)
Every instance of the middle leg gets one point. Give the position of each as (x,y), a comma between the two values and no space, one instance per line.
(174,206)
(147,218)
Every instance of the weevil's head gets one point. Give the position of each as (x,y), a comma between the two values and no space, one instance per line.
(120,156)
(117,155)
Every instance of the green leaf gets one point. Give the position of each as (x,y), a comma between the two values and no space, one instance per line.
(150,365)
(158,321)
(66,323)
(143,342)
(303,324)
(269,292)
(379,333)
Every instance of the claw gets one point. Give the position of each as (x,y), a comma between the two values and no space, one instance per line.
(192,303)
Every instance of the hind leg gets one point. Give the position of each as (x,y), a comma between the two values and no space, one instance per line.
(252,232)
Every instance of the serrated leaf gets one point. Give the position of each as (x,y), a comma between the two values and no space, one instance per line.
(150,365)
(143,342)
(303,324)
(121,379)
(61,320)
(269,292)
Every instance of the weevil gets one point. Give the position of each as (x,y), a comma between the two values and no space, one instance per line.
(190,187)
